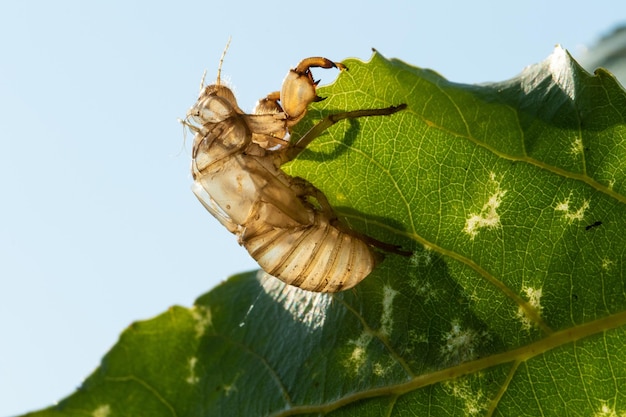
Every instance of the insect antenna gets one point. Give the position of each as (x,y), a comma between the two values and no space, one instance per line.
(219,68)
(183,124)
(202,83)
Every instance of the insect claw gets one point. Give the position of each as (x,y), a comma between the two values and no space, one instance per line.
(399,107)
(399,251)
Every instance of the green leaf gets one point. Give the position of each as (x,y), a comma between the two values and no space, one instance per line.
(511,196)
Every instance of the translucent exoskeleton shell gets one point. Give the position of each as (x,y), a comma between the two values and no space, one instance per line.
(285,223)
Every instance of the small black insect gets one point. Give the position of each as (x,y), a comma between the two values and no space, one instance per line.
(595,224)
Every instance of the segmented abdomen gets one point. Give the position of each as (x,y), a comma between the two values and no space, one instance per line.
(315,257)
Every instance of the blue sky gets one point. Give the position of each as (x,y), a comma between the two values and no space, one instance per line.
(98,226)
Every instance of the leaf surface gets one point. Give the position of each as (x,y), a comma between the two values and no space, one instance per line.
(511,197)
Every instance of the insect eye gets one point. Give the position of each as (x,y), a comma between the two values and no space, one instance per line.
(211,109)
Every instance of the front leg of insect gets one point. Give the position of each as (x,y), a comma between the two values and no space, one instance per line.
(298,90)
(285,223)
(297,93)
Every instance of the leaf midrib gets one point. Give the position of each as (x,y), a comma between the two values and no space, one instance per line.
(517,356)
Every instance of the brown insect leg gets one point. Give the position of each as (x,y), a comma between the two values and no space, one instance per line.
(317,62)
(387,247)
(269,104)
(294,150)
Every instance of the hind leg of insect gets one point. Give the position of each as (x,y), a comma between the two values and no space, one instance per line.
(290,152)
(294,150)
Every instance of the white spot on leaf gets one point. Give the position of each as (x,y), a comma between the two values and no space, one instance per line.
(414,339)
(427,291)
(192,378)
(606,411)
(611,183)
(461,344)
(386,321)
(379,369)
(572,215)
(230,388)
(359,353)
(533,296)
(488,216)
(421,258)
(474,400)
(102,411)
(577,147)
(203,318)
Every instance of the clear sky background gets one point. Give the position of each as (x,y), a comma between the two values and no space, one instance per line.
(98,226)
